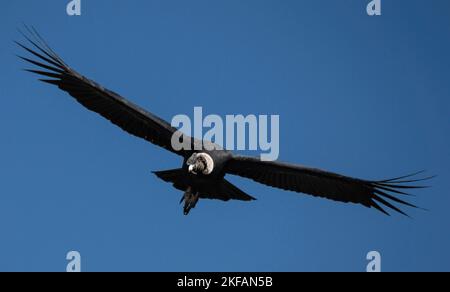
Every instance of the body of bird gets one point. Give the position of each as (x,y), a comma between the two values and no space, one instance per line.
(202,173)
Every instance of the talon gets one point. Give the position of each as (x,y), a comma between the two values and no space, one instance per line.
(190,200)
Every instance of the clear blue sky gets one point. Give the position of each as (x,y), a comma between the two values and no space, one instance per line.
(363,96)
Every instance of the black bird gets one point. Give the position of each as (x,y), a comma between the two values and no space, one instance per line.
(202,174)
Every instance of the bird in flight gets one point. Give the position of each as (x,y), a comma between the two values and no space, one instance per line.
(202,174)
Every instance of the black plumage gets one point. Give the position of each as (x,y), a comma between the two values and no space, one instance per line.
(192,177)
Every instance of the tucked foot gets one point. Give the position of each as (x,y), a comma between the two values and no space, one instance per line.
(190,200)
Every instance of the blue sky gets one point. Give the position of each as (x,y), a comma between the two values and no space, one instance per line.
(359,95)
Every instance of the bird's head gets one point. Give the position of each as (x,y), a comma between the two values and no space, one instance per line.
(200,163)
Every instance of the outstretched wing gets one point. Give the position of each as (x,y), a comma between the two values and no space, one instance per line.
(323,184)
(95,97)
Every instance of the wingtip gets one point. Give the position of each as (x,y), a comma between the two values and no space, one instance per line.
(376,206)
(393,180)
(50,81)
(18,43)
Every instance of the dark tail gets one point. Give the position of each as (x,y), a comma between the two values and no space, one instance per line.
(216,189)
(172,175)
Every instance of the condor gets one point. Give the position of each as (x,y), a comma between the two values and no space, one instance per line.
(202,173)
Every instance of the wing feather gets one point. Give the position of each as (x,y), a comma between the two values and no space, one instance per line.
(95,97)
(321,183)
